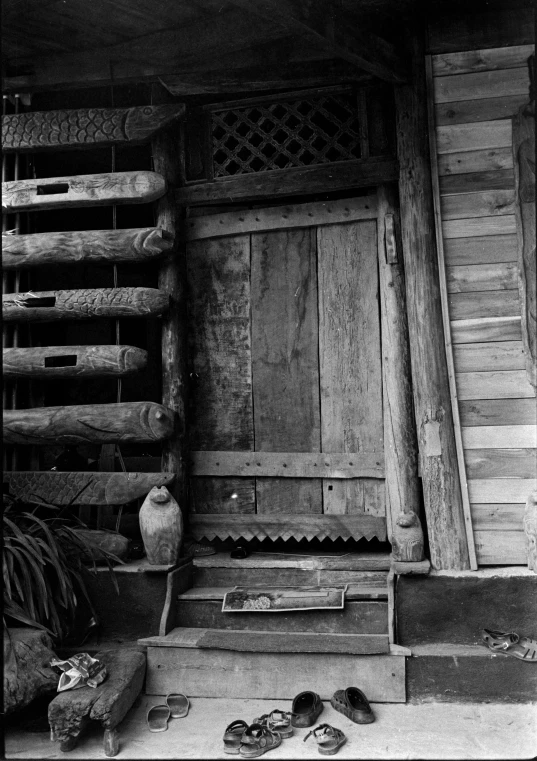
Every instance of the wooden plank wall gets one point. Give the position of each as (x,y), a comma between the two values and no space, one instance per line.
(475,95)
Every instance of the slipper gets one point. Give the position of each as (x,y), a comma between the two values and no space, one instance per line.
(233,736)
(353,704)
(178,705)
(258,739)
(509,643)
(157,718)
(330,739)
(277,721)
(307,706)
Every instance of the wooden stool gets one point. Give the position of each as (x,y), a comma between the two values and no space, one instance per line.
(108,703)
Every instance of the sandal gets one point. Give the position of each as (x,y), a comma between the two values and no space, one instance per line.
(277,721)
(509,643)
(353,704)
(258,739)
(233,736)
(157,718)
(178,705)
(330,739)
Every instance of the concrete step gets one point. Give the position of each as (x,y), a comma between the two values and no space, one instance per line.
(268,568)
(202,607)
(265,664)
(446,672)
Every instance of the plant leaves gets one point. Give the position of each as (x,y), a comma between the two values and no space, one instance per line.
(13,610)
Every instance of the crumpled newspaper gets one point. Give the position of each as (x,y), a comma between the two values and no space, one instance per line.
(80,670)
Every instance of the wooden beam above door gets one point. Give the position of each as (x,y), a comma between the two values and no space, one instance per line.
(336,32)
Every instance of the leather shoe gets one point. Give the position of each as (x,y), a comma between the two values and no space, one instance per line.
(307,706)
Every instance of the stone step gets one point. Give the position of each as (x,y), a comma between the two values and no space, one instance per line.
(446,672)
(235,664)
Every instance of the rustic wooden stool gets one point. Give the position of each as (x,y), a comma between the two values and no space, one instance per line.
(108,703)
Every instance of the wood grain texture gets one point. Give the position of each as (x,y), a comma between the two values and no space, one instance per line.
(432,400)
(280,183)
(512,57)
(274,676)
(452,138)
(73,361)
(222,495)
(82,190)
(524,153)
(349,354)
(498,517)
(478,160)
(493,356)
(83,304)
(95,246)
(400,440)
(498,463)
(486,329)
(498,490)
(84,127)
(220,360)
(468,228)
(471,306)
(497,412)
(500,547)
(141,422)
(482,277)
(481,84)
(465,111)
(177,581)
(498,384)
(487,249)
(167,148)
(281,217)
(500,437)
(83,488)
(285,527)
(161,527)
(500,179)
(481,204)
(287,464)
(285,364)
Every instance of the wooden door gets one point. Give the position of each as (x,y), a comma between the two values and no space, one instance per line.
(286,424)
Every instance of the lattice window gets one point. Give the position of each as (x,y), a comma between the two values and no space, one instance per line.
(318,129)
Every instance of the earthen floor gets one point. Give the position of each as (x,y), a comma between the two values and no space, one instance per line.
(401,731)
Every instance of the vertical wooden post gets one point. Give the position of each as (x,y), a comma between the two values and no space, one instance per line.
(400,443)
(167,150)
(432,403)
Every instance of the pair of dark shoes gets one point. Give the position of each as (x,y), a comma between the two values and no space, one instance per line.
(352,703)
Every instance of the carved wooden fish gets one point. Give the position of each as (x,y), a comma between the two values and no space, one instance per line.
(84,127)
(80,488)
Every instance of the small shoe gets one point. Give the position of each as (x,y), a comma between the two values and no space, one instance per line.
(157,718)
(258,739)
(277,721)
(233,736)
(193,549)
(353,704)
(329,739)
(178,705)
(509,643)
(307,707)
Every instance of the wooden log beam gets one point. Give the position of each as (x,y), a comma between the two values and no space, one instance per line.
(91,246)
(137,422)
(73,361)
(400,442)
(82,190)
(84,127)
(335,31)
(50,306)
(81,488)
(524,163)
(432,401)
(345,175)
(167,149)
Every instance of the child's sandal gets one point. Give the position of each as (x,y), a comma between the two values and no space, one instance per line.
(329,739)
(233,736)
